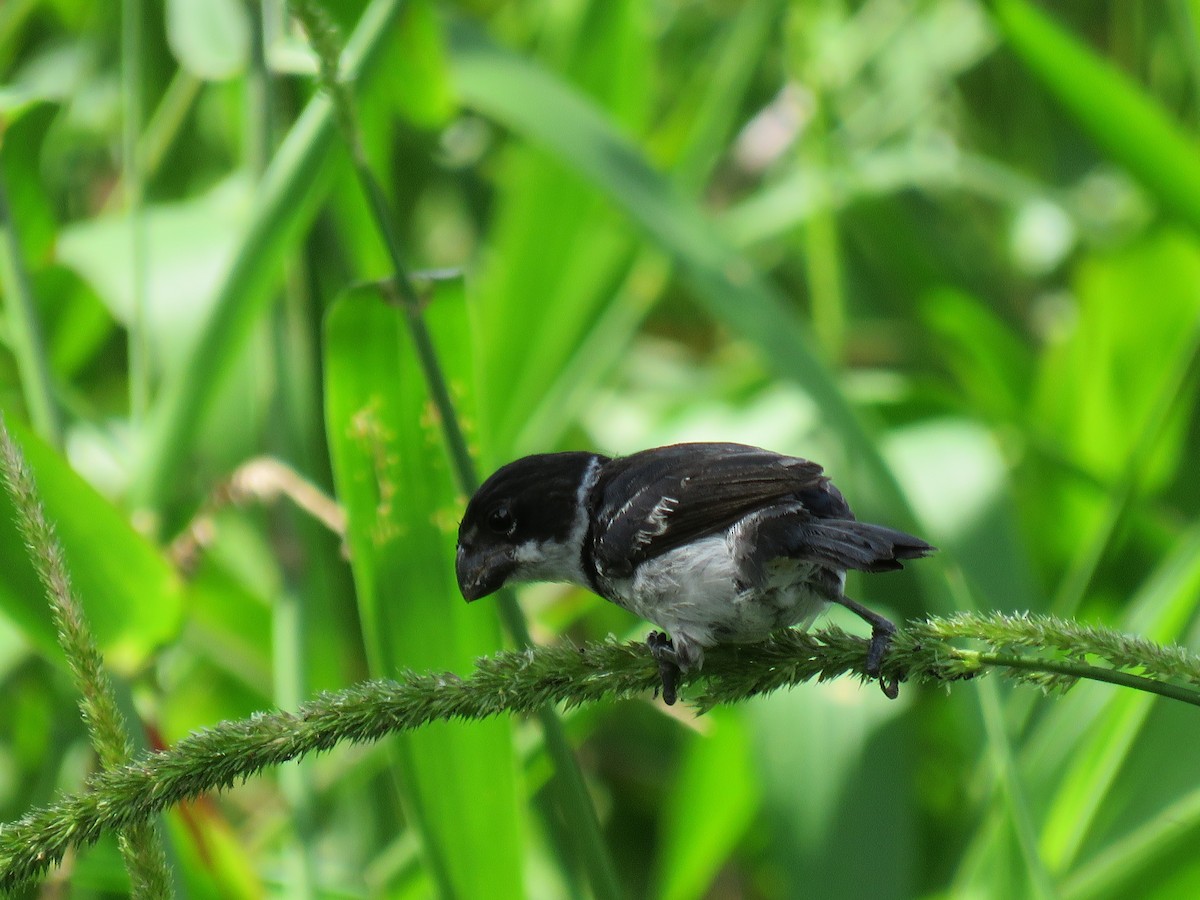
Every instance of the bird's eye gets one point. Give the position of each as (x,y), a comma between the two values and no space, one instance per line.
(501,521)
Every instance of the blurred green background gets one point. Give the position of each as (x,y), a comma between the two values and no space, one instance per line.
(948,249)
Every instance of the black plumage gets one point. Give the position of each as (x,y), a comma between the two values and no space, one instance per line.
(714,542)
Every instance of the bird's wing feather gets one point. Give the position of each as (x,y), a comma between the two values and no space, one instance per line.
(654,501)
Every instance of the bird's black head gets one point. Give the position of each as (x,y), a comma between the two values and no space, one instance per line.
(525,523)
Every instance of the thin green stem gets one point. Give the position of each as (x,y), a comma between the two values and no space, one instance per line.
(523,681)
(161,131)
(134,189)
(574,798)
(167,121)
(140,845)
(291,613)
(1093,673)
(1007,773)
(461,463)
(1003,783)
(822,249)
(25,329)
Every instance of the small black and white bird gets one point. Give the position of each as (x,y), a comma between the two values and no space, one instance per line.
(715,543)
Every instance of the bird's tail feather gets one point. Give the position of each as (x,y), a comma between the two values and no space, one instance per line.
(849,544)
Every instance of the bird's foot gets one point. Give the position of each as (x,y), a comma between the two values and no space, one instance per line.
(664,654)
(881,639)
(881,636)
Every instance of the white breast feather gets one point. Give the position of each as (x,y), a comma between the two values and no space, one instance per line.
(695,592)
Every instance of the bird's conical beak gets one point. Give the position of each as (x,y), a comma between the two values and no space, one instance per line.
(482,572)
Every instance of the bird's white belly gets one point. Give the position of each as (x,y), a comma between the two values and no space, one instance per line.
(697,592)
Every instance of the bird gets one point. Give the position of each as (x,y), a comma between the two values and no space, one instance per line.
(714,543)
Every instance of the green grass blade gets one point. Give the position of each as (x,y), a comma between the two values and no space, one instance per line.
(1131,127)
(24,325)
(394,480)
(1142,850)
(524,345)
(133,185)
(542,110)
(1160,612)
(290,195)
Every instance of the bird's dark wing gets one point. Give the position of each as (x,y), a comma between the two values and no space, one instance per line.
(654,501)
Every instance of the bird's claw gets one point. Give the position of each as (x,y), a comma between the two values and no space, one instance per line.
(669,671)
(663,652)
(881,638)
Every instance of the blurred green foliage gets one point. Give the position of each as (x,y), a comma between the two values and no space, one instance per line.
(947,248)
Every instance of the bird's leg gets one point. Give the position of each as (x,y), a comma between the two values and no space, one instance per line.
(881,636)
(664,654)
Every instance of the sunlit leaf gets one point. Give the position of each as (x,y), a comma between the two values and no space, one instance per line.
(210,39)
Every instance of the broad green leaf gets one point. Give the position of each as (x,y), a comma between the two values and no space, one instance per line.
(1132,128)
(1093,385)
(129,593)
(697,842)
(1126,864)
(826,782)
(210,39)
(393,480)
(16,102)
(944,458)
(188,249)
(1095,392)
